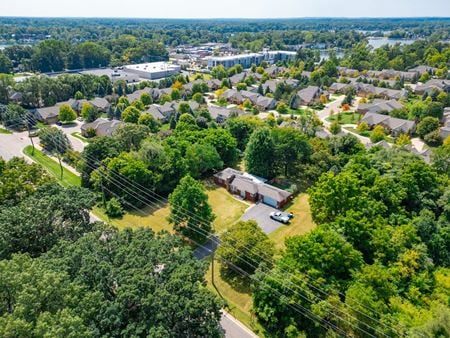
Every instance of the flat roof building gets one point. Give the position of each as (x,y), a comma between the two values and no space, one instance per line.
(246,60)
(153,70)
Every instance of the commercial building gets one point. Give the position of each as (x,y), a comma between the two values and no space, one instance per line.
(153,70)
(246,60)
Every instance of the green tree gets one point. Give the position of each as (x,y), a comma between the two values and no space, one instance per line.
(89,112)
(5,64)
(378,134)
(54,140)
(260,154)
(146,99)
(245,238)
(190,212)
(202,158)
(198,97)
(335,128)
(52,211)
(148,120)
(131,115)
(114,208)
(291,150)
(130,135)
(175,95)
(66,113)
(282,108)
(184,108)
(426,126)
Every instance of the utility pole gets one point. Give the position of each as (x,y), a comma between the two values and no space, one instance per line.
(29,136)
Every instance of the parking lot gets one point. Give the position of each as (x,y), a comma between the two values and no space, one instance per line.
(260,212)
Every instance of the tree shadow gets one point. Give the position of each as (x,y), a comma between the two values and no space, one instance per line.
(236,280)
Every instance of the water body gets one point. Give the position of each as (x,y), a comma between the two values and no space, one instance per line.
(378,42)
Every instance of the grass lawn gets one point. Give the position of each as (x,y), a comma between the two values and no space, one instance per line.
(346,118)
(68,179)
(165,126)
(80,137)
(227,209)
(239,299)
(300,224)
(5,131)
(148,217)
(367,133)
(41,125)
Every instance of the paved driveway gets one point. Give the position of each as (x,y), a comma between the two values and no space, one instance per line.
(260,213)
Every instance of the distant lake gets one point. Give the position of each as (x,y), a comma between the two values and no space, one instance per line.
(378,42)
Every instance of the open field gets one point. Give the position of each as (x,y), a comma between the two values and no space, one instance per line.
(68,177)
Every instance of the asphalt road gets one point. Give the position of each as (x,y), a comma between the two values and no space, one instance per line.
(260,212)
(11,145)
(234,328)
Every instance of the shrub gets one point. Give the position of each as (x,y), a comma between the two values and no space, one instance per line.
(335,128)
(378,134)
(433,139)
(114,208)
(362,127)
(427,125)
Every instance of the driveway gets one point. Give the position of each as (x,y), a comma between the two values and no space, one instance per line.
(260,213)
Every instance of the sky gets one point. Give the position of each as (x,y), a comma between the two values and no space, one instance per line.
(225,8)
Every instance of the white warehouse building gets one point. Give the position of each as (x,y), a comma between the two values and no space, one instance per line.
(153,70)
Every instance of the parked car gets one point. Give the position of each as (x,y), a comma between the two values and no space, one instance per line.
(80,119)
(280,217)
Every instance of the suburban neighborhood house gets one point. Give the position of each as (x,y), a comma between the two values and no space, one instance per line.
(102,127)
(394,125)
(252,188)
(308,96)
(378,106)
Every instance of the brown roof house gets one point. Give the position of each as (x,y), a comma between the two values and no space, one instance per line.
(48,115)
(394,125)
(308,96)
(102,127)
(378,106)
(252,188)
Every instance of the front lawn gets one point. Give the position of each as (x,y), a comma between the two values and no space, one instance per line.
(345,118)
(227,209)
(68,178)
(5,131)
(80,137)
(300,224)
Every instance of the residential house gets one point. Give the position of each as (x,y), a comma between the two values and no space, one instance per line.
(348,72)
(233,96)
(221,114)
(101,104)
(394,125)
(252,188)
(422,69)
(102,127)
(48,115)
(155,111)
(378,106)
(237,78)
(339,88)
(308,96)
(214,84)
(433,85)
(265,103)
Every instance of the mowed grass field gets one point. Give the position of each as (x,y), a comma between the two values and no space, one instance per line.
(68,178)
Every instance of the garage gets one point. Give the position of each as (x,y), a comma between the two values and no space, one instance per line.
(270,201)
